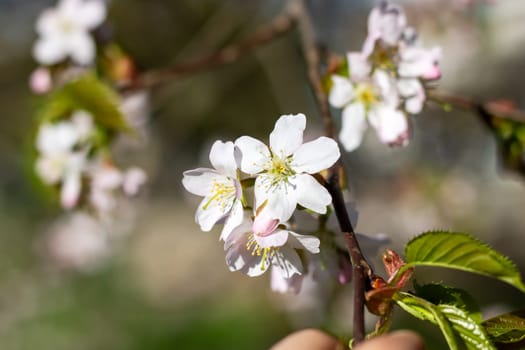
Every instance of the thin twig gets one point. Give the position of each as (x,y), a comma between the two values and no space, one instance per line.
(498,109)
(361,269)
(229,54)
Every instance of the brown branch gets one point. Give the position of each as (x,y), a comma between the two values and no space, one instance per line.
(361,269)
(500,109)
(229,54)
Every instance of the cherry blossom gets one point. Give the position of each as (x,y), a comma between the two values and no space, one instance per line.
(252,251)
(386,80)
(63,149)
(368,96)
(108,182)
(284,170)
(220,188)
(77,241)
(64,31)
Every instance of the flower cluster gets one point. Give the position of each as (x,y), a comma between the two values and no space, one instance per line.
(79,143)
(68,158)
(64,33)
(283,176)
(385,82)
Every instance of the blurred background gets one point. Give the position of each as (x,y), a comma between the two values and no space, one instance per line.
(166,286)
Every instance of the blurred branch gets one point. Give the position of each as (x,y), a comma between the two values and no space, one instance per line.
(361,268)
(229,54)
(499,108)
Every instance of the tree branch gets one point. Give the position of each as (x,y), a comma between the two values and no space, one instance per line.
(500,109)
(361,268)
(229,54)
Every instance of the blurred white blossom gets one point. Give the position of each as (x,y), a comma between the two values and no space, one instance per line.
(62,158)
(385,82)
(64,31)
(77,241)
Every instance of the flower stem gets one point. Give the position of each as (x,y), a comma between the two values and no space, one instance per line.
(361,268)
(280,25)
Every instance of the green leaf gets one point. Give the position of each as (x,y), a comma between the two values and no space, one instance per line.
(460,330)
(90,94)
(425,310)
(438,293)
(506,328)
(472,333)
(462,252)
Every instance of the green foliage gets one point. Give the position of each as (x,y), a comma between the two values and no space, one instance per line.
(462,252)
(438,294)
(460,330)
(510,136)
(90,94)
(506,328)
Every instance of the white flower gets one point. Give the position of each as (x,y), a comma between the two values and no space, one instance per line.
(64,31)
(418,62)
(386,22)
(62,159)
(253,252)
(369,95)
(78,241)
(220,188)
(108,180)
(283,170)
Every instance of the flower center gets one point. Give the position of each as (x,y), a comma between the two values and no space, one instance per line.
(266,254)
(365,93)
(280,168)
(66,25)
(222,195)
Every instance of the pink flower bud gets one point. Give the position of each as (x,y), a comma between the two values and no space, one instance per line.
(432,73)
(40,81)
(264,225)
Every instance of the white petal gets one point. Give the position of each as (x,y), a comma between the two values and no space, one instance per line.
(358,65)
(277,239)
(222,158)
(91,14)
(353,126)
(133,180)
(81,48)
(287,262)
(280,198)
(389,123)
(342,91)
(233,221)
(389,20)
(315,156)
(209,212)
(70,192)
(48,23)
(199,181)
(311,194)
(280,284)
(254,154)
(414,104)
(287,134)
(49,50)
(310,243)
(238,257)
(387,87)
(50,169)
